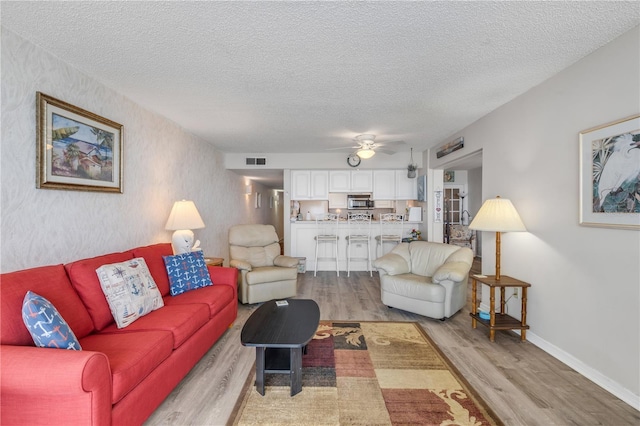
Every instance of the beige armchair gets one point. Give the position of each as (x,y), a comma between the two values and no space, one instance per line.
(264,274)
(425,278)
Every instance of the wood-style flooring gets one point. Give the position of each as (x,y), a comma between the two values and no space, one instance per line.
(523,384)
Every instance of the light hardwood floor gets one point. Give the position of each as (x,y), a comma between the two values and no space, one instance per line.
(523,384)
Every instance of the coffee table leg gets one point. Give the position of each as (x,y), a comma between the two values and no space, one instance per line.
(260,370)
(296,370)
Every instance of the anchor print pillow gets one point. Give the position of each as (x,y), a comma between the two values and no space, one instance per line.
(130,290)
(47,327)
(186,272)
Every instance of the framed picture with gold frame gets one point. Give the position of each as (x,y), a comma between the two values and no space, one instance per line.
(76,149)
(610,175)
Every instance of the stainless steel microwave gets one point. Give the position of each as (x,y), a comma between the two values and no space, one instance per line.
(359,201)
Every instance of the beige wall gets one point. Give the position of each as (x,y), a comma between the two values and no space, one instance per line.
(584,303)
(162,163)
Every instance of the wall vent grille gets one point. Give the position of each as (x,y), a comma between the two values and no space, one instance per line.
(250,161)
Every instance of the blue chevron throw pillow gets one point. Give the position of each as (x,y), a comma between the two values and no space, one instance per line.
(45,324)
(187,272)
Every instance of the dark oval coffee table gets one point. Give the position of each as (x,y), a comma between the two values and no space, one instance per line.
(279,334)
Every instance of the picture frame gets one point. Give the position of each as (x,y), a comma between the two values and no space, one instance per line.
(422,188)
(610,175)
(77,149)
(450,147)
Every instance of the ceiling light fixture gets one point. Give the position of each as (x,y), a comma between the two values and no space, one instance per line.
(365,153)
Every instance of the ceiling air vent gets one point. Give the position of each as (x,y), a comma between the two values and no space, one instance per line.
(255,161)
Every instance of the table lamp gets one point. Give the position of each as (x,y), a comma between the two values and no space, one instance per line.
(183,218)
(499,215)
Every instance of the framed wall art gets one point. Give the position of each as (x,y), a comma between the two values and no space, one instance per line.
(450,147)
(610,175)
(77,149)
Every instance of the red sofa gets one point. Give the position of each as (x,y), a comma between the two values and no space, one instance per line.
(121,375)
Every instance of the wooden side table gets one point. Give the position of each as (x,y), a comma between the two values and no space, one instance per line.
(214,261)
(501,321)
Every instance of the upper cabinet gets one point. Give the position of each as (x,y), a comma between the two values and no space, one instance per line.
(350,181)
(394,185)
(406,188)
(309,185)
(384,187)
(361,180)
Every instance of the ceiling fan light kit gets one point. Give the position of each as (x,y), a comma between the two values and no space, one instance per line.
(365,153)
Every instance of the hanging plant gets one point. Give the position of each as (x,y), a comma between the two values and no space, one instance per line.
(412,167)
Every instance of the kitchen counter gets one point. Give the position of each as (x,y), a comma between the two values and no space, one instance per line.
(303,244)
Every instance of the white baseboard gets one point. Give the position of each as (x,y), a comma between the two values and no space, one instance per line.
(595,376)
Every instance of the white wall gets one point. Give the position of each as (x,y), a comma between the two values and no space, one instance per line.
(584,303)
(162,164)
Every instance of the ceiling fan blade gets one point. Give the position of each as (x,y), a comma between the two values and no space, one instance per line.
(386,151)
(344,148)
(394,143)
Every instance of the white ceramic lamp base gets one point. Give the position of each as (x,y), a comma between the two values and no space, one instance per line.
(182,241)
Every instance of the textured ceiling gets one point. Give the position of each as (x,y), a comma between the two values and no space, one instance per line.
(263,77)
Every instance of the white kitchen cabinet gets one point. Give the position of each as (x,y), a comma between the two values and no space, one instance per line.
(339,180)
(338,200)
(384,186)
(320,185)
(406,188)
(309,185)
(361,181)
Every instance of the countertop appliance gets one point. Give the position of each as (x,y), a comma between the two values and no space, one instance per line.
(359,201)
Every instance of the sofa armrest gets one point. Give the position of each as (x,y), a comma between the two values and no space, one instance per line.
(452,271)
(392,264)
(68,387)
(240,264)
(285,261)
(221,275)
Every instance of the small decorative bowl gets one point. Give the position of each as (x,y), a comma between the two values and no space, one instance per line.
(484,315)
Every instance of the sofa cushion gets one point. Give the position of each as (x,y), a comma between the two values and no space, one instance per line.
(153,257)
(47,327)
(182,321)
(256,256)
(52,283)
(216,297)
(130,290)
(426,257)
(84,279)
(414,287)
(187,271)
(132,356)
(269,274)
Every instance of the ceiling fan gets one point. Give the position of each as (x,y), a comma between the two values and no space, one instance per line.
(367,146)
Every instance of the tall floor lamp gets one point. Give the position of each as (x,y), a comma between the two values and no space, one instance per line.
(499,215)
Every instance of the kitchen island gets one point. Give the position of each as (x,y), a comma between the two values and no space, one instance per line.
(303,245)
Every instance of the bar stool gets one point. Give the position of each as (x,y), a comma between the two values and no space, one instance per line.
(327,232)
(358,231)
(391,229)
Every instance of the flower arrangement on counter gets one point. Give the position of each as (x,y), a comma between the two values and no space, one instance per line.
(415,233)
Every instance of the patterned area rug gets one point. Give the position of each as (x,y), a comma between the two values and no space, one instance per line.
(367,373)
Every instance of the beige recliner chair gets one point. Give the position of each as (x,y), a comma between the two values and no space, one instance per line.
(264,273)
(425,278)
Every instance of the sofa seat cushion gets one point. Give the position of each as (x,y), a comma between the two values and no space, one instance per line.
(269,274)
(153,257)
(414,287)
(182,321)
(84,279)
(132,356)
(215,297)
(52,283)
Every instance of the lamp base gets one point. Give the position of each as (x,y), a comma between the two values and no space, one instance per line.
(182,241)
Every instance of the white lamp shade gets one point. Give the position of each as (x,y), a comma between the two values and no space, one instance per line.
(365,153)
(499,215)
(184,215)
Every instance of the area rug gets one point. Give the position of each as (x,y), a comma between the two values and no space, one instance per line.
(367,373)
